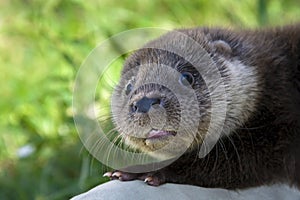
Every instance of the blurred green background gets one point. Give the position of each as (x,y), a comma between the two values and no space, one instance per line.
(42,45)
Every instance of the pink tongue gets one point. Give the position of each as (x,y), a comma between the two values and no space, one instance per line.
(157,134)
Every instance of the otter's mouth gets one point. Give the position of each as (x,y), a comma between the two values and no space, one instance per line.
(156,134)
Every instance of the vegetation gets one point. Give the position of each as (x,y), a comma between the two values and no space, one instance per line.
(42,45)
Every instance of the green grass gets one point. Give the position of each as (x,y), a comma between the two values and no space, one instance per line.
(43,44)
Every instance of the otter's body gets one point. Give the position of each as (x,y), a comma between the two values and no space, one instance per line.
(261,140)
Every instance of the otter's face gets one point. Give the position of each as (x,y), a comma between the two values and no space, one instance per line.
(160,101)
(182,90)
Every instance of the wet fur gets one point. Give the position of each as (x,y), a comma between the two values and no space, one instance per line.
(263,146)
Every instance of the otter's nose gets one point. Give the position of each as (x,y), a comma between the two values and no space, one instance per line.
(144,104)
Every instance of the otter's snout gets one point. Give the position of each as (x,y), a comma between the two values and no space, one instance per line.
(144,104)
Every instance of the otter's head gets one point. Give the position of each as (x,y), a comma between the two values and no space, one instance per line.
(168,91)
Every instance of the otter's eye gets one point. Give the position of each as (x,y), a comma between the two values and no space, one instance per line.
(128,88)
(186,79)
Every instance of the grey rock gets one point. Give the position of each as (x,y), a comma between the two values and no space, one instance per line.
(117,190)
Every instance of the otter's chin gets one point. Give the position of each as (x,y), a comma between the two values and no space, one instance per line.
(161,144)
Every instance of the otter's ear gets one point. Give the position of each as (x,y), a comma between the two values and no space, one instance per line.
(221,47)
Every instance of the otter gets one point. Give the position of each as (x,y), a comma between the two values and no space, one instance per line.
(259,141)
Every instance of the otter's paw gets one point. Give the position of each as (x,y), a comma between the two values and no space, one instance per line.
(124,176)
(154,179)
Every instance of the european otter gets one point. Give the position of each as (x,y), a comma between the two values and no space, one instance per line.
(259,133)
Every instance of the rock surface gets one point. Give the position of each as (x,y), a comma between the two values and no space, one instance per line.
(117,190)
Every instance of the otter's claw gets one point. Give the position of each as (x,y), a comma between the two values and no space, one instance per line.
(117,174)
(153,180)
(107,174)
(148,179)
